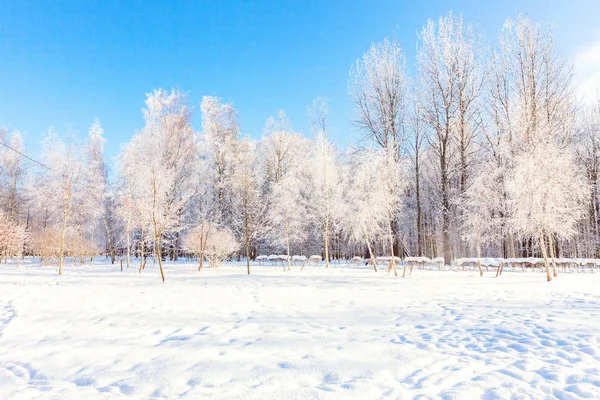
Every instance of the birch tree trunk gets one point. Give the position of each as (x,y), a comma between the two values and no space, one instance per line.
(247,237)
(157,233)
(62,240)
(142,246)
(551,246)
(393,265)
(158,253)
(545,255)
(326,234)
(128,233)
(479,253)
(200,261)
(373,262)
(287,242)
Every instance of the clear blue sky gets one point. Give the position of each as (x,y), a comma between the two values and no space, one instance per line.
(62,63)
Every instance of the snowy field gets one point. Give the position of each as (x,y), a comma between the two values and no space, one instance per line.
(97,332)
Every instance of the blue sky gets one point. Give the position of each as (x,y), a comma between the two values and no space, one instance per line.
(63,63)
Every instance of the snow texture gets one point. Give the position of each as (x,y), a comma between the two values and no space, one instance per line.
(341,332)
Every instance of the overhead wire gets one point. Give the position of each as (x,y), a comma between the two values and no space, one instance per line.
(26,156)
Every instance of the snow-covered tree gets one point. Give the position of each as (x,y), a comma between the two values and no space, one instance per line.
(211,241)
(12,237)
(547,195)
(249,207)
(12,173)
(95,207)
(221,131)
(449,83)
(481,205)
(62,190)
(160,161)
(220,245)
(281,147)
(529,101)
(287,210)
(325,173)
(373,182)
(282,153)
(377,86)
(538,79)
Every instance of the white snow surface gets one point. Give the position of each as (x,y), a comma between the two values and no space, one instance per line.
(342,332)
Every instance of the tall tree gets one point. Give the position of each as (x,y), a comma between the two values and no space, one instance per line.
(164,160)
(249,206)
(377,86)
(448,75)
(324,173)
(373,181)
(61,191)
(221,131)
(12,172)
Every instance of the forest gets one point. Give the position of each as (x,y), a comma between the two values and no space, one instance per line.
(484,151)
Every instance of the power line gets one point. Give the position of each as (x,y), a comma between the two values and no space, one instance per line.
(26,156)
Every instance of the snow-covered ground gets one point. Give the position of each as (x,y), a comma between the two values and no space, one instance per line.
(97,332)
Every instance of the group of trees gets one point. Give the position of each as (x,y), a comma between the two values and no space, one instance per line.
(484,150)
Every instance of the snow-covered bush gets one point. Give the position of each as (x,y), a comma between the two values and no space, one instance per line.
(12,237)
(210,241)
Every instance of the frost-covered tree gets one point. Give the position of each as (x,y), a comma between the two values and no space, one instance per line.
(220,245)
(12,237)
(61,190)
(538,79)
(373,181)
(587,148)
(280,147)
(529,100)
(161,162)
(12,173)
(324,173)
(481,205)
(249,207)
(211,241)
(96,206)
(547,195)
(378,86)
(287,210)
(129,205)
(418,148)
(282,153)
(196,239)
(221,132)
(449,83)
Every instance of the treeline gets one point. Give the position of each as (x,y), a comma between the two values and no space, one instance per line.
(486,151)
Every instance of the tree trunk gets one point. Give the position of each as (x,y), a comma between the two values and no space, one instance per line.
(142,249)
(326,238)
(373,262)
(418,196)
(158,254)
(109,241)
(62,240)
(479,253)
(545,255)
(446,216)
(200,261)
(156,232)
(287,242)
(393,264)
(551,246)
(128,232)
(247,239)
